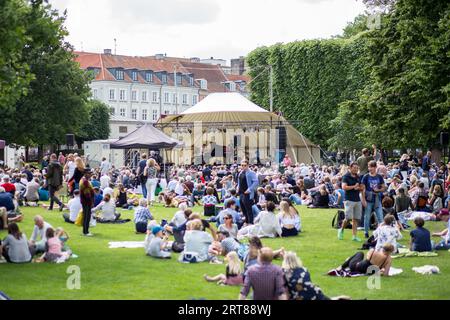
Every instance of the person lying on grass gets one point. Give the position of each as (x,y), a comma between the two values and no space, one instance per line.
(233,272)
(374,259)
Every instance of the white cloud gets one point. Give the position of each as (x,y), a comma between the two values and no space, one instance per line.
(203,28)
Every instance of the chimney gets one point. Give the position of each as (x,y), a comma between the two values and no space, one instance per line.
(159,56)
(107,51)
(195,59)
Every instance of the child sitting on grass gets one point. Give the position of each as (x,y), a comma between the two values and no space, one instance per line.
(420,237)
(233,274)
(158,244)
(53,249)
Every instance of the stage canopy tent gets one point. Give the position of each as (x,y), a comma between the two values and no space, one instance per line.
(145,137)
(232,110)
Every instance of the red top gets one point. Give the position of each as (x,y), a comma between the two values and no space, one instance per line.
(9,187)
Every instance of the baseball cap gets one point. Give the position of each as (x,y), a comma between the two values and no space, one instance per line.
(157,229)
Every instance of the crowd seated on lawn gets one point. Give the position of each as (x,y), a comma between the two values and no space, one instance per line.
(221,213)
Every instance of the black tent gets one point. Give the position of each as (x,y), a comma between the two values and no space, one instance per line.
(145,137)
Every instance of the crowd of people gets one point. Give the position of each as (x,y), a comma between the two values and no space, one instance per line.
(240,204)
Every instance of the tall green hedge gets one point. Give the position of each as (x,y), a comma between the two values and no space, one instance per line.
(310,79)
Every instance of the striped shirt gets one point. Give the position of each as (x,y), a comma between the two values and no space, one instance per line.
(142,214)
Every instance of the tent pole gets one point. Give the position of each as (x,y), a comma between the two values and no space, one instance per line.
(306,145)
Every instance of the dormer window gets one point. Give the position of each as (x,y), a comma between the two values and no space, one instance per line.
(134,75)
(191,81)
(178,79)
(164,78)
(119,74)
(149,77)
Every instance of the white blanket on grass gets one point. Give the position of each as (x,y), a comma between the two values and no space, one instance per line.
(427,269)
(126,244)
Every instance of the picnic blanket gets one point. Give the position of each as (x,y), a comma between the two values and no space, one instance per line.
(126,244)
(403,252)
(120,221)
(346,273)
(411,215)
(427,269)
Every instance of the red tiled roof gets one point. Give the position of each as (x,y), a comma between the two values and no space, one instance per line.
(213,74)
(234,77)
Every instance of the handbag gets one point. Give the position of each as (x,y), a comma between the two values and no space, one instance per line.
(189,257)
(79,219)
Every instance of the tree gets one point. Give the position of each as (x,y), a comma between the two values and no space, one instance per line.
(406,102)
(97,125)
(14,72)
(56,99)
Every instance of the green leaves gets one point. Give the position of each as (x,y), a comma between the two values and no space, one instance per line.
(46,94)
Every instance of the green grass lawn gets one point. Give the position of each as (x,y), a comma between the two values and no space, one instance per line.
(130,274)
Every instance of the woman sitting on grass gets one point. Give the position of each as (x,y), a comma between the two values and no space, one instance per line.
(298,280)
(108,210)
(229,226)
(233,273)
(15,248)
(289,221)
(266,225)
(387,232)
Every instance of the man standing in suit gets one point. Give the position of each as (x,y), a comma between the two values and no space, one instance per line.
(54,181)
(247,184)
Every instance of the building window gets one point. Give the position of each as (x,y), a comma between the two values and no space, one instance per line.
(155,96)
(134,95)
(122,96)
(155,115)
(134,114)
(164,78)
(178,79)
(112,94)
(194,99)
(119,74)
(185,98)
(144,96)
(95,94)
(203,84)
(166,97)
(144,114)
(191,81)
(112,110)
(122,112)
(134,75)
(175,98)
(166,111)
(149,77)
(123,129)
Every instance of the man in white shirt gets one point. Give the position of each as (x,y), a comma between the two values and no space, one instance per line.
(179,189)
(105,180)
(74,206)
(104,167)
(39,231)
(108,190)
(179,218)
(304,170)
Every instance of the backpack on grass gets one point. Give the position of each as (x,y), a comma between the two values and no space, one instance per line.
(338,219)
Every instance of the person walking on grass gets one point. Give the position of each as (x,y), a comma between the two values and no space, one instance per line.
(87,200)
(351,183)
(54,180)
